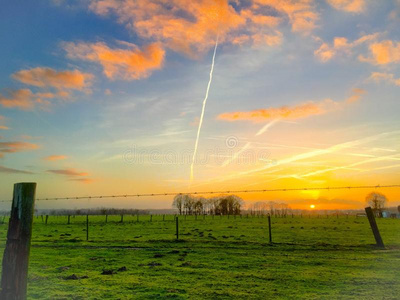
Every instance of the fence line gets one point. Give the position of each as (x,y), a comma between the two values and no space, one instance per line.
(218,192)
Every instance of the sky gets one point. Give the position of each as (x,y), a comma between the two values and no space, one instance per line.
(102,97)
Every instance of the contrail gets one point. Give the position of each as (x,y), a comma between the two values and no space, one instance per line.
(266,127)
(248,144)
(202,111)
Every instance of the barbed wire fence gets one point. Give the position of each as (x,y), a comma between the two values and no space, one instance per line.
(215,192)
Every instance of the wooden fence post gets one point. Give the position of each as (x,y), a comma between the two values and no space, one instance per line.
(16,253)
(269,229)
(47,217)
(122,218)
(374,227)
(177,228)
(87,227)
(106,218)
(69,219)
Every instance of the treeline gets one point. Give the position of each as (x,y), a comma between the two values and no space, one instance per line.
(221,205)
(90,211)
(272,208)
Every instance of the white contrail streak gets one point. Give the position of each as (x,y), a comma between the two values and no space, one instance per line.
(266,127)
(202,112)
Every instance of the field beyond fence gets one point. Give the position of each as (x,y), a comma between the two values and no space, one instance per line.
(215,257)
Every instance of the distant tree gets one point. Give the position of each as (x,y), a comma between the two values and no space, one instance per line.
(178,202)
(198,206)
(229,205)
(377,202)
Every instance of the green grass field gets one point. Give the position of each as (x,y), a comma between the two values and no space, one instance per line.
(215,258)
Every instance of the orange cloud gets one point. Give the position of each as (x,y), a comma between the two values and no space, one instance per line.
(73,175)
(25,99)
(12,147)
(18,99)
(13,171)
(341,45)
(260,39)
(283,112)
(3,127)
(301,13)
(378,76)
(356,95)
(191,27)
(184,26)
(68,172)
(47,77)
(127,64)
(55,157)
(299,111)
(383,53)
(353,6)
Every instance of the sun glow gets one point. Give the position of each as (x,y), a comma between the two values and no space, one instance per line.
(312,206)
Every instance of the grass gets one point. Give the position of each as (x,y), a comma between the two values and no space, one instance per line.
(215,258)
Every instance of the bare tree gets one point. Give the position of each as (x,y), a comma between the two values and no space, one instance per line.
(377,202)
(178,202)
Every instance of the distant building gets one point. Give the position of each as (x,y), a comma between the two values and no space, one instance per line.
(390,214)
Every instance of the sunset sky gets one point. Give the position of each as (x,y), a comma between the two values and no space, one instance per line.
(104,97)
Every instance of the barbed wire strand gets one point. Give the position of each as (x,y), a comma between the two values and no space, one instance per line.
(217,192)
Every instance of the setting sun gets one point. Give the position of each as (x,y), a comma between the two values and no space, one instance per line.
(312,206)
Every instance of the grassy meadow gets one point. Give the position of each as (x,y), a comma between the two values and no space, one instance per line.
(215,258)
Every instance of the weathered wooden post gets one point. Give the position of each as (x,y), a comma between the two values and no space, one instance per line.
(69,219)
(374,227)
(122,218)
(16,253)
(177,228)
(269,229)
(87,227)
(106,218)
(47,218)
